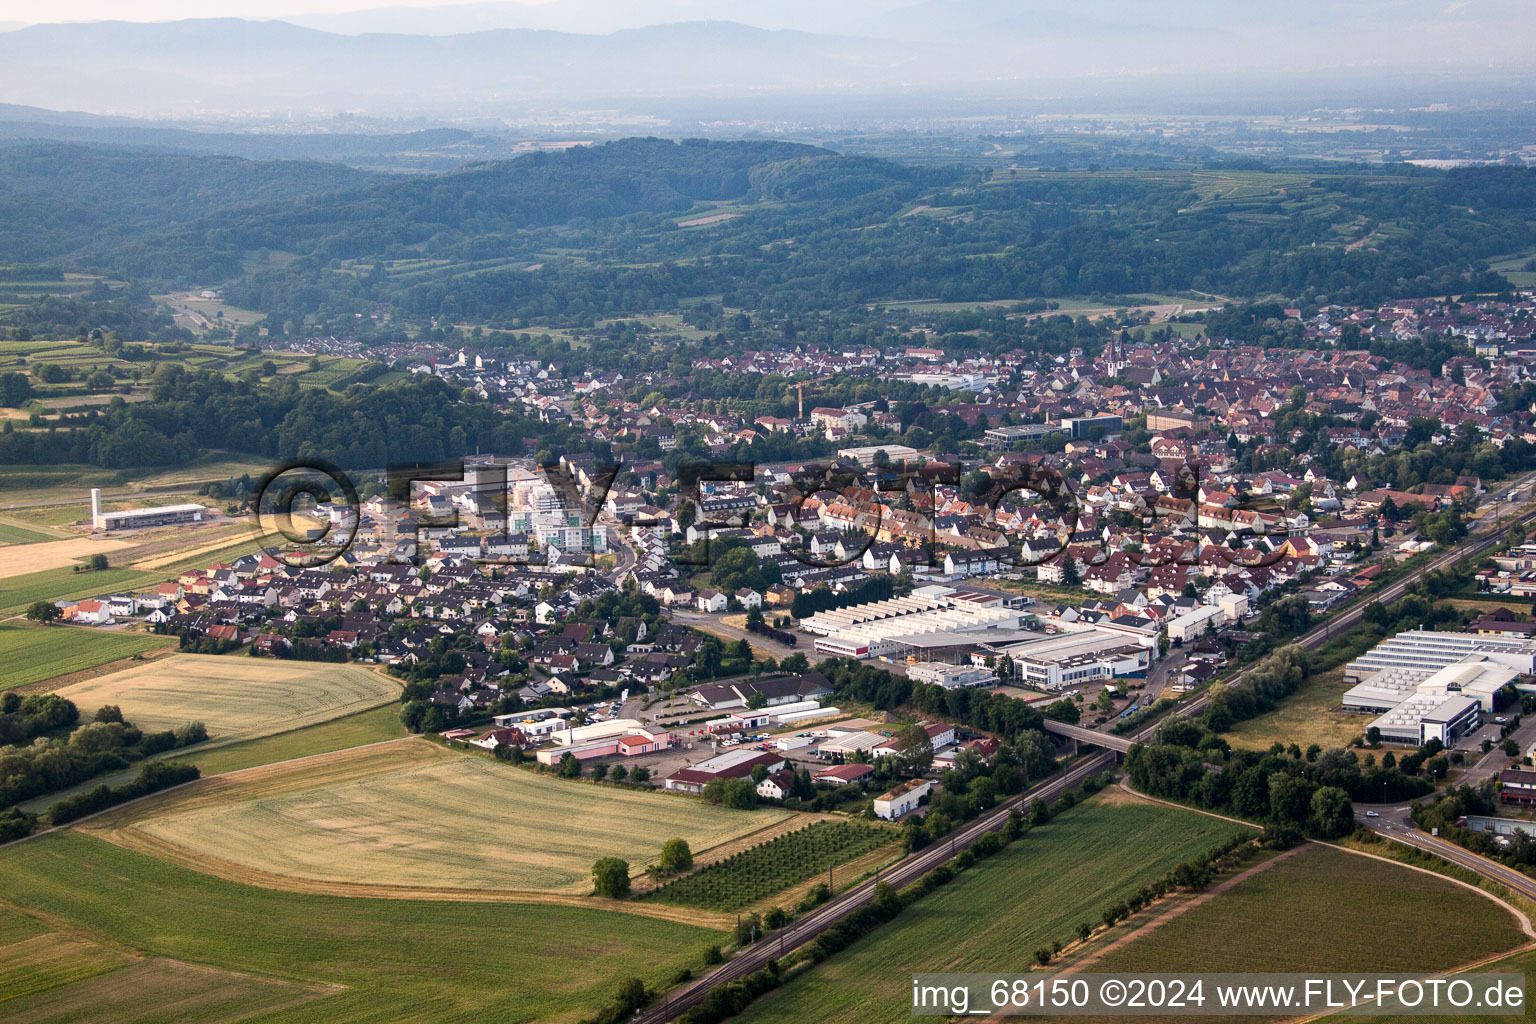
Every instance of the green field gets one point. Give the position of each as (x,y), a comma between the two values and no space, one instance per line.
(744,878)
(1305,717)
(323,960)
(29,654)
(13,534)
(1397,920)
(996,914)
(352,731)
(17,592)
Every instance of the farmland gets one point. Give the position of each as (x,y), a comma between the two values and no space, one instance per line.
(747,877)
(1401,920)
(382,723)
(52,554)
(160,942)
(994,915)
(236,697)
(412,815)
(17,592)
(30,653)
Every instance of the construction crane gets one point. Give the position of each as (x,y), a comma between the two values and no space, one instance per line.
(800,388)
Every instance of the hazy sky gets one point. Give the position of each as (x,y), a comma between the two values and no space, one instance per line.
(168,10)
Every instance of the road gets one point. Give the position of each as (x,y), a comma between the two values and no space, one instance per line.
(904,872)
(1393,823)
(806,928)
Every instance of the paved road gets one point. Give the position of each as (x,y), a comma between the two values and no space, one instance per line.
(1393,823)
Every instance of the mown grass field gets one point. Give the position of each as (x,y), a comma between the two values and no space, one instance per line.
(374,726)
(236,697)
(17,592)
(993,916)
(1389,918)
(416,815)
(12,533)
(30,654)
(1307,716)
(208,951)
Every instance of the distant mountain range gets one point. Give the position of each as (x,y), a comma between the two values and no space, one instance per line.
(519,65)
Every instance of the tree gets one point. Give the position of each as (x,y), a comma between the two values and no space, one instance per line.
(914,750)
(98,562)
(687,514)
(43,611)
(570,768)
(1373,736)
(1070,576)
(675,856)
(610,878)
(1510,748)
(1332,813)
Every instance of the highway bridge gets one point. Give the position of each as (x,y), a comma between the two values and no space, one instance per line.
(1090,736)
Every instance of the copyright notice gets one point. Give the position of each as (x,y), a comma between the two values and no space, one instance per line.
(1214,994)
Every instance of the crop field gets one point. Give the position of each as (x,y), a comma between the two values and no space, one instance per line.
(131,938)
(12,532)
(17,592)
(236,697)
(1400,920)
(414,815)
(30,654)
(373,726)
(22,560)
(752,875)
(993,916)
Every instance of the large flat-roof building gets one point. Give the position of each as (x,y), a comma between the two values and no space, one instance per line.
(1430,716)
(1057,661)
(1432,651)
(887,627)
(139,518)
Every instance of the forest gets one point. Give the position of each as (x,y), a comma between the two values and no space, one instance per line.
(593,231)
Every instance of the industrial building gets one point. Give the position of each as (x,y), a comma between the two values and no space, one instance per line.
(138,518)
(1430,716)
(1425,649)
(1060,660)
(884,628)
(951,677)
(1477,676)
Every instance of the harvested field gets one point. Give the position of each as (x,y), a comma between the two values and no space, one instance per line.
(21,559)
(411,814)
(237,698)
(198,946)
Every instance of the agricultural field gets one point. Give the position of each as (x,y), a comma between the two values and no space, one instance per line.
(102,934)
(236,697)
(994,915)
(1400,920)
(375,726)
(30,654)
(25,559)
(745,878)
(413,815)
(13,532)
(17,592)
(1305,717)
